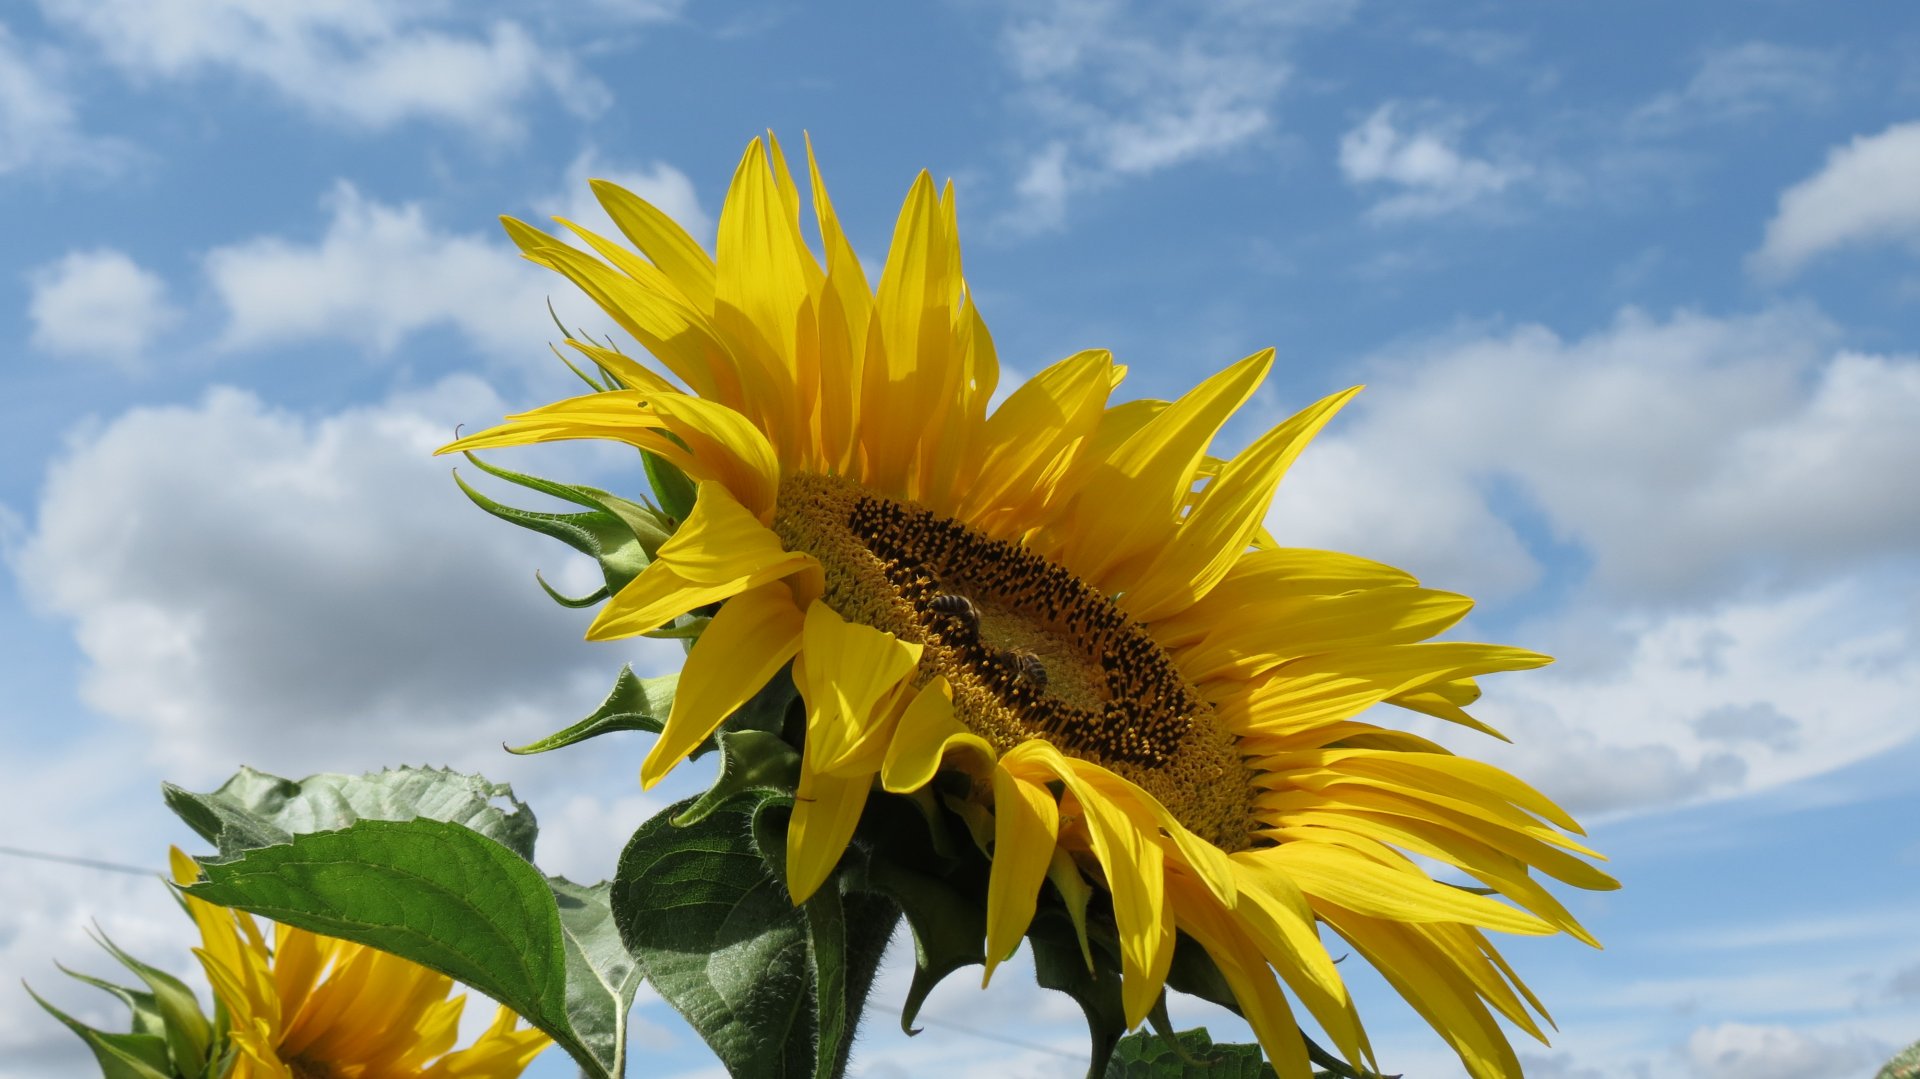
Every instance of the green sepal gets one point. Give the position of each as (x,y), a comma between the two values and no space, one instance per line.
(146,1010)
(1190,1054)
(120,1056)
(255,809)
(185,1028)
(634,704)
(1059,965)
(622,536)
(750,760)
(670,485)
(949,931)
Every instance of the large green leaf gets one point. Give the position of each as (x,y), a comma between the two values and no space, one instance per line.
(774,990)
(1190,1054)
(449,898)
(254,809)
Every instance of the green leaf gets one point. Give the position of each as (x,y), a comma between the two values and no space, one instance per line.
(449,898)
(635,704)
(775,991)
(1147,1055)
(602,976)
(254,809)
(1906,1065)
(718,938)
(670,485)
(120,1056)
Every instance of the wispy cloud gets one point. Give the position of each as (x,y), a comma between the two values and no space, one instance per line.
(357,63)
(1866,193)
(1418,160)
(1124,91)
(39,124)
(1738,81)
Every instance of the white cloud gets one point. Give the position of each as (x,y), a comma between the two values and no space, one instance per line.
(1422,164)
(1866,193)
(1625,733)
(1686,457)
(380,273)
(38,128)
(1748,79)
(659,183)
(1726,485)
(100,304)
(303,594)
(359,63)
(1123,92)
(1744,1051)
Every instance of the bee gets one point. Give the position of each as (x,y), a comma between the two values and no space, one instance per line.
(959,608)
(1028,667)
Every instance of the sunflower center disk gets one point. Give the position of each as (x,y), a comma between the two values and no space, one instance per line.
(1030,650)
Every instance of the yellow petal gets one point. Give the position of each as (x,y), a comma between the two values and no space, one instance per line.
(719,551)
(924,738)
(760,288)
(846,670)
(1045,419)
(910,370)
(1367,887)
(662,240)
(1135,871)
(1216,533)
(1129,501)
(825,810)
(754,634)
(1324,689)
(1238,961)
(1026,821)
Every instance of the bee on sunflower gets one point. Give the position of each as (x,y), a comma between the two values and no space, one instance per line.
(1062,607)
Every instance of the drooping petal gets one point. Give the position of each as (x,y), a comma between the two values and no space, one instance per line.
(754,634)
(846,670)
(1026,822)
(825,810)
(719,551)
(928,737)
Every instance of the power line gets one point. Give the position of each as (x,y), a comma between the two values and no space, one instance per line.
(992,1037)
(85,863)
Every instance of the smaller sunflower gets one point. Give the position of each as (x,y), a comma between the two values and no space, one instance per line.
(314,1007)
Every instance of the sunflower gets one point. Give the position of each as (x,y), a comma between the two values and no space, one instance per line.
(1067,601)
(314,1007)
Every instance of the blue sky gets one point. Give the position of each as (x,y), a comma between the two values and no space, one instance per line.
(1633,286)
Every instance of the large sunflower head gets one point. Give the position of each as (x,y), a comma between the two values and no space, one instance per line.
(313,1007)
(1065,602)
